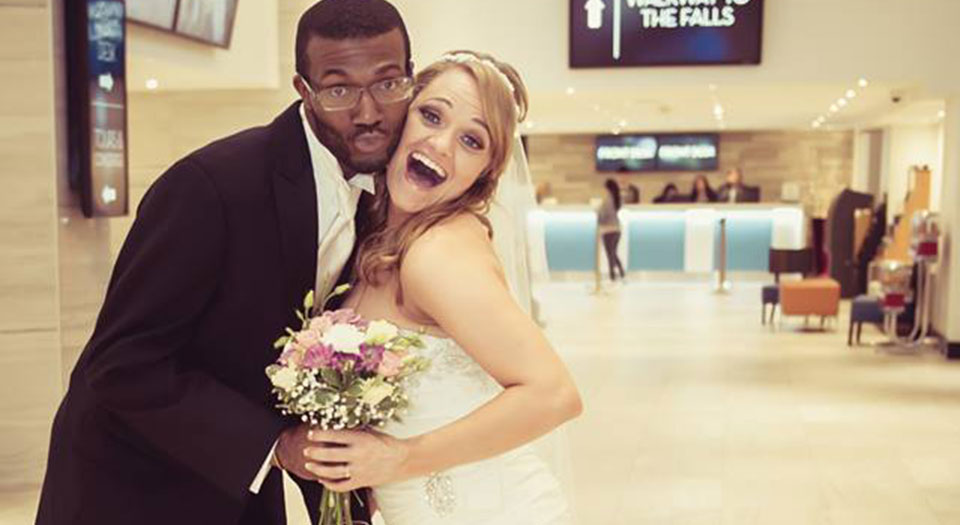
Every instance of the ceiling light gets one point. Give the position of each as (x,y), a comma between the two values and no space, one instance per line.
(529,124)
(816,124)
(834,108)
(152,84)
(942,113)
(571,90)
(842,102)
(596,107)
(622,123)
(863,83)
(851,94)
(712,87)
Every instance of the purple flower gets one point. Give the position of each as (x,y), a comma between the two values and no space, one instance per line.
(370,359)
(318,356)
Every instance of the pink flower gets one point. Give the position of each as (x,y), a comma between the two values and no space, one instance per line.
(291,355)
(318,356)
(390,364)
(344,315)
(320,324)
(308,338)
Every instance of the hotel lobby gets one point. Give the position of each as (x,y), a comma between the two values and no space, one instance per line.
(781,349)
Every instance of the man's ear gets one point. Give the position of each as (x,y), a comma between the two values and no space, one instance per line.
(299,85)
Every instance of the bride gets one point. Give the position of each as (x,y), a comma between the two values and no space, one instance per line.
(462,453)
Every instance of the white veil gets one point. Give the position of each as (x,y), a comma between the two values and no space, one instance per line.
(523,257)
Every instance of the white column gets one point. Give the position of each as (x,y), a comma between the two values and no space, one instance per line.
(947,299)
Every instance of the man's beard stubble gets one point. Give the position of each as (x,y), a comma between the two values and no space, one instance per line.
(341,149)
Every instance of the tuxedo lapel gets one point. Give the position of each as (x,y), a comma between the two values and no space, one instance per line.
(296,202)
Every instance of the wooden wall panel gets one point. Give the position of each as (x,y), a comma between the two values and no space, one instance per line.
(29,316)
(821,162)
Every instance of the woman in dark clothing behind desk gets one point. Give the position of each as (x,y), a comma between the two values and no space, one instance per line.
(608,227)
(702,192)
(669,194)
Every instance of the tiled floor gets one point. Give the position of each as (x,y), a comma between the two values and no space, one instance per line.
(695,413)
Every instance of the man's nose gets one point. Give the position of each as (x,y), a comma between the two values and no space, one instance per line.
(367,112)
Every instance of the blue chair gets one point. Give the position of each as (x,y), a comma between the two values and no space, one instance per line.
(770,294)
(863,309)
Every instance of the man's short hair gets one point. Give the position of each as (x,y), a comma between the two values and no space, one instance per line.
(346,19)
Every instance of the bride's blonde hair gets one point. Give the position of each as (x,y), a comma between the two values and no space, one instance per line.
(503,100)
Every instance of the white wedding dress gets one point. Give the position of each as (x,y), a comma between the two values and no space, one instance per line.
(516,488)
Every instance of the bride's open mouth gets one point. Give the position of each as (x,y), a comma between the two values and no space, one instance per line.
(424,172)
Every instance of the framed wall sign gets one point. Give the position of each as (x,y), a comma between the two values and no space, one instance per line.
(631,33)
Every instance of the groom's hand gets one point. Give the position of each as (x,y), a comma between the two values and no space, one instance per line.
(290,451)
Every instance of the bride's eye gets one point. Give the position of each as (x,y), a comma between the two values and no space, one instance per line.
(430,115)
(472,142)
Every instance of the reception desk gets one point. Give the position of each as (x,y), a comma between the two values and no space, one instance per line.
(671,237)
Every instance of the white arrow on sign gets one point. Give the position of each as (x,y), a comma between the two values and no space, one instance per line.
(106,82)
(594,10)
(109,194)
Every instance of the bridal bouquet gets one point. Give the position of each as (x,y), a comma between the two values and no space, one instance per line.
(342,372)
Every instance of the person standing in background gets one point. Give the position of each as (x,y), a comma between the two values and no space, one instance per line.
(702,192)
(608,227)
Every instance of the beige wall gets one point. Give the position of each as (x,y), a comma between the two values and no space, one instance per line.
(822,162)
(29,298)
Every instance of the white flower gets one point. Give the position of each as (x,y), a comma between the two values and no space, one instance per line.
(344,338)
(375,391)
(284,378)
(379,332)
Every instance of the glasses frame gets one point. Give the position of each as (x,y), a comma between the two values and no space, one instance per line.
(363,89)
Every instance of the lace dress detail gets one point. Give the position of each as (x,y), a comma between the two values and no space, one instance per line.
(512,489)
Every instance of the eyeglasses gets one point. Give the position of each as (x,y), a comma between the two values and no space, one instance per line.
(340,98)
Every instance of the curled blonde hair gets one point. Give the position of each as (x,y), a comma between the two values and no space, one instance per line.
(503,99)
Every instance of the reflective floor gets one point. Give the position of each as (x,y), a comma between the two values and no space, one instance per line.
(698,414)
(695,413)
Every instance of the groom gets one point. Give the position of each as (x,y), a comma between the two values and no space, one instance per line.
(169,418)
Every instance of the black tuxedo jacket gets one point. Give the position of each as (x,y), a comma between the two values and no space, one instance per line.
(169,416)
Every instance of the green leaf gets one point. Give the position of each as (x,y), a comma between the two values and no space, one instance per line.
(282,342)
(340,290)
(331,377)
(308,301)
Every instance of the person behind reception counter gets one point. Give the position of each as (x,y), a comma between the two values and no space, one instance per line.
(669,194)
(608,227)
(632,194)
(701,190)
(734,190)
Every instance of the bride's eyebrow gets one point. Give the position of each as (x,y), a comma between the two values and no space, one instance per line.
(441,99)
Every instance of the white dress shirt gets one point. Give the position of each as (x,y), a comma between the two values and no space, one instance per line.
(337,200)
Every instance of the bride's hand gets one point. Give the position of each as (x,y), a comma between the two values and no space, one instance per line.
(348,460)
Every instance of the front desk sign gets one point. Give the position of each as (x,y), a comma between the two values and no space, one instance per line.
(617,33)
(96,84)
(663,152)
